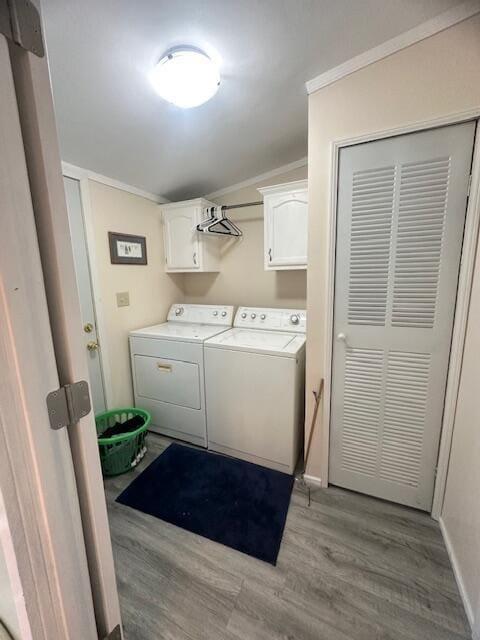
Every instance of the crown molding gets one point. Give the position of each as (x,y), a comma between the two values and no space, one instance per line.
(72,171)
(429,28)
(260,178)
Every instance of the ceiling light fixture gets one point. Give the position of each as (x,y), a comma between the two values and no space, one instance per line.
(186,77)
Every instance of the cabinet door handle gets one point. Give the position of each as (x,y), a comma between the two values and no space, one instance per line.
(194,257)
(167,368)
(270,254)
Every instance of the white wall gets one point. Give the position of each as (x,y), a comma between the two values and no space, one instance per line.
(242,279)
(461,509)
(151,290)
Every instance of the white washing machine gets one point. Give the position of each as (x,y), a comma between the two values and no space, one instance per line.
(255,381)
(168,369)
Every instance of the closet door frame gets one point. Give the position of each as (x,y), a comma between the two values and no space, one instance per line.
(83,177)
(472,224)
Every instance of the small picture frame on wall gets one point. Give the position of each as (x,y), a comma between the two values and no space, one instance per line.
(127,249)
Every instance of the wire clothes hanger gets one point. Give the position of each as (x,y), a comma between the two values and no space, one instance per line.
(218,224)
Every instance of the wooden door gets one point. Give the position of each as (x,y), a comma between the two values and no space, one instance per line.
(37,478)
(32,109)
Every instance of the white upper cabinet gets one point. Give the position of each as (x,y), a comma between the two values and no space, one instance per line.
(286,225)
(186,250)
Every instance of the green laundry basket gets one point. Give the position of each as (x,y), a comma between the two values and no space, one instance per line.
(121,453)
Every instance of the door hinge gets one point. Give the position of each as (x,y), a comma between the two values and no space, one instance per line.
(116,634)
(20,23)
(469,188)
(68,404)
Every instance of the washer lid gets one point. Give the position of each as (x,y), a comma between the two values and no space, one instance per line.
(258,341)
(182,332)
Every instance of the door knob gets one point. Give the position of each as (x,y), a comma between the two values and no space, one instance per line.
(92,345)
(342,337)
(88,328)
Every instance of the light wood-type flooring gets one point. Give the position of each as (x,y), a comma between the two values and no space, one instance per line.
(350,568)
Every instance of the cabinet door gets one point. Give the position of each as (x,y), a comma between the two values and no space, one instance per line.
(286,227)
(181,242)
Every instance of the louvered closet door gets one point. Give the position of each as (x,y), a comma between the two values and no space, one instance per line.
(401,214)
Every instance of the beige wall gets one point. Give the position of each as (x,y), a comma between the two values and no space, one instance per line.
(152,291)
(461,509)
(433,78)
(242,279)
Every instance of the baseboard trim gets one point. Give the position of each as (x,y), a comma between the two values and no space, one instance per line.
(456,571)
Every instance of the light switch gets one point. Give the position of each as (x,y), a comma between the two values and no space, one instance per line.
(123,299)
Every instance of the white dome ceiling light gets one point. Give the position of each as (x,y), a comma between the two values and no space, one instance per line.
(186,77)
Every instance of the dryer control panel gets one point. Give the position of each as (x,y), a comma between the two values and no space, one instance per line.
(201,314)
(292,320)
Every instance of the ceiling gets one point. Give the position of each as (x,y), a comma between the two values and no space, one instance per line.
(112,122)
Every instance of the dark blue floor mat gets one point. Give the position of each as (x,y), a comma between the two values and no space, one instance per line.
(236,503)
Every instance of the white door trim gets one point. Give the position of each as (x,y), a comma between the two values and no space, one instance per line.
(463,297)
(467,265)
(69,171)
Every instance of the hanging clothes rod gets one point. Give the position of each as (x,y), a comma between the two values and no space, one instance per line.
(240,206)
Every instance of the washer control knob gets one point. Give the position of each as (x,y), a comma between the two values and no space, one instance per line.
(178,311)
(253,316)
(263,316)
(294,319)
(244,315)
(224,314)
(215,313)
